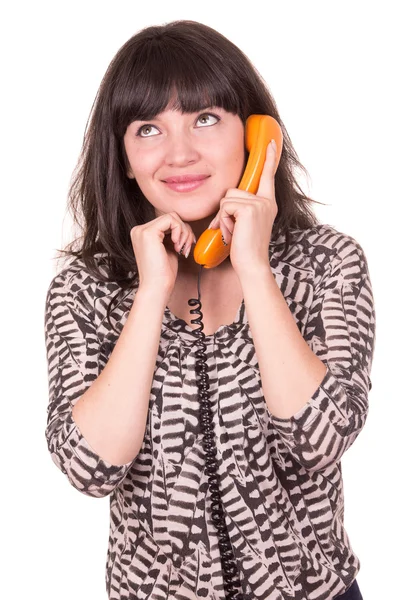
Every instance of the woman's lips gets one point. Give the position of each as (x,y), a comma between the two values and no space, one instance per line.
(185,184)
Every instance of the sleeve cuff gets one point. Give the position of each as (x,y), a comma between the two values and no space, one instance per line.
(319,433)
(86,470)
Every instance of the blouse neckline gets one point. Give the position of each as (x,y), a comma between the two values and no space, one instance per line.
(185,331)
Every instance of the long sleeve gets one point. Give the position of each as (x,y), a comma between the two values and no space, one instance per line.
(73,364)
(341,332)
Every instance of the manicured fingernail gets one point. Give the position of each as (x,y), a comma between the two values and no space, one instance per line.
(223,240)
(212,223)
(187,253)
(181,250)
(274,145)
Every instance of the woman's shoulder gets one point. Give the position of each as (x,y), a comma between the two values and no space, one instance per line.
(322,250)
(77,276)
(321,238)
(321,234)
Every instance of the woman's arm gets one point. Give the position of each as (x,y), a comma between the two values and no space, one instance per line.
(96,423)
(316,387)
(112,413)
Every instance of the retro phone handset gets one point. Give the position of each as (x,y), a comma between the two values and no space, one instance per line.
(209,252)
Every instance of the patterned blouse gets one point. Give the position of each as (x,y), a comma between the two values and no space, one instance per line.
(280,479)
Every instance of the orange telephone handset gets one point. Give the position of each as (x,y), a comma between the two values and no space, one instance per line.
(209,250)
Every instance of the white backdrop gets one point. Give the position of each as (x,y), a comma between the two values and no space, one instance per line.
(331,69)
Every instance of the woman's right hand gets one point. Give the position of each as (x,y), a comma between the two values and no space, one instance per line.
(156,253)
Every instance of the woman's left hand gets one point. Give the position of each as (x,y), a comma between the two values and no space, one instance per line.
(246,220)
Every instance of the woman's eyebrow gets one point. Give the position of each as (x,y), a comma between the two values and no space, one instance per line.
(158,116)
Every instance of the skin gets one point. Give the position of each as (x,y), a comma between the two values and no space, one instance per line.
(209,142)
(290,371)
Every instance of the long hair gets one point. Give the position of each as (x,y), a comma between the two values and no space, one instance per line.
(199,67)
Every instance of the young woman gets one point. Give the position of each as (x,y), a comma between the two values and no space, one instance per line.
(289,328)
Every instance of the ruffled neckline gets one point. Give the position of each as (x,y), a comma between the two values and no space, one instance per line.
(179,327)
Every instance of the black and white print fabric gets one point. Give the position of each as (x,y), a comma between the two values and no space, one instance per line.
(281,479)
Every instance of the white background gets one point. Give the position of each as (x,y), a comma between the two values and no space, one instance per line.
(331,68)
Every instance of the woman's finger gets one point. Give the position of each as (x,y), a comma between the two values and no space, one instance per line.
(266,187)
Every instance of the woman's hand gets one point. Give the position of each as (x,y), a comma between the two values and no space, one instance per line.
(156,255)
(246,220)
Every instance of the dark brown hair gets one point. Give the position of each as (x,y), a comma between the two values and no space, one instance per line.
(201,68)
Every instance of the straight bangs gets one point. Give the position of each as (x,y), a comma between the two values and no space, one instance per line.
(167,75)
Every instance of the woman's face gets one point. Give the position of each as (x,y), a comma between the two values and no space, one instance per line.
(207,146)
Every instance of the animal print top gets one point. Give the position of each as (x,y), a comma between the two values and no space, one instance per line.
(281,479)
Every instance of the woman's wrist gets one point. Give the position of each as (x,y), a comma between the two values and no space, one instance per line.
(153,295)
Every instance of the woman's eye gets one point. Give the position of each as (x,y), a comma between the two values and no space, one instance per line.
(147,131)
(207,119)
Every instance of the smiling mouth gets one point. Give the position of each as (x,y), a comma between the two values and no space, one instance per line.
(182,184)
(185,178)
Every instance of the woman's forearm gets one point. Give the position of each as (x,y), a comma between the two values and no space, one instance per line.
(289,369)
(112,413)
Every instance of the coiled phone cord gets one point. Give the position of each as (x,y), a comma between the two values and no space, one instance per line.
(229,566)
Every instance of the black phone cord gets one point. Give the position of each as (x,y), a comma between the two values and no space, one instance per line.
(229,566)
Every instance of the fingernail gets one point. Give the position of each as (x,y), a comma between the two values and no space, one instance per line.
(187,253)
(274,145)
(223,240)
(181,250)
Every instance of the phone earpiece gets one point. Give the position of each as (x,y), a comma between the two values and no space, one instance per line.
(209,250)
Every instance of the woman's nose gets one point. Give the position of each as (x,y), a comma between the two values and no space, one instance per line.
(181,151)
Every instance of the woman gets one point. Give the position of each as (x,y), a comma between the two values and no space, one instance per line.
(289,328)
